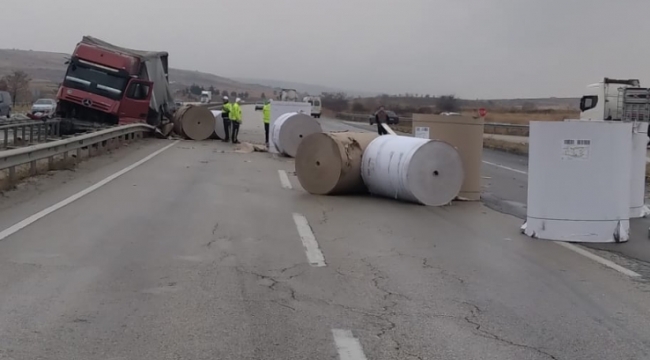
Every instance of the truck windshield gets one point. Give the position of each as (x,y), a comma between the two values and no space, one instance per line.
(95,80)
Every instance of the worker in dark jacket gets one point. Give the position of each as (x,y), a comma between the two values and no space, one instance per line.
(381,118)
(225,114)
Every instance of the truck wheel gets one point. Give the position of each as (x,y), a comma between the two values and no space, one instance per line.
(157,119)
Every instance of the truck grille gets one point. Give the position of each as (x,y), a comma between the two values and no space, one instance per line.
(95,105)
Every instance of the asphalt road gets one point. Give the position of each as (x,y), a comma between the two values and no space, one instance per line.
(205,253)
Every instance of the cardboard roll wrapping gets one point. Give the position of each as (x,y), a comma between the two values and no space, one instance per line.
(330,163)
(428,172)
(219,131)
(289,130)
(194,122)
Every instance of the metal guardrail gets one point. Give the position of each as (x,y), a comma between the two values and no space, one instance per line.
(28,132)
(490,128)
(100,140)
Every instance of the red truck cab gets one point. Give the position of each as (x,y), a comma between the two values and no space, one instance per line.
(101,85)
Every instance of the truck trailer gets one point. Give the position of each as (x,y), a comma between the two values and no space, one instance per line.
(109,85)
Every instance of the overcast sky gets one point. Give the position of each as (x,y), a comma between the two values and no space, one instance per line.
(472,48)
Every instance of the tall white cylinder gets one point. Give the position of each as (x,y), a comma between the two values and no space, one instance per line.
(639,159)
(289,130)
(423,171)
(219,130)
(579,175)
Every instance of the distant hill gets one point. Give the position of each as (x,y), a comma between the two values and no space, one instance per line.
(304,88)
(48,68)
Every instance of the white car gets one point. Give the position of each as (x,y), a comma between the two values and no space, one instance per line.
(47,107)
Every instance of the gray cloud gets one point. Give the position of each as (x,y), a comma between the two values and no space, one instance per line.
(474,48)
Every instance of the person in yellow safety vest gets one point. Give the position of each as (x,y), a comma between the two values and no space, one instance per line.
(266,117)
(225,115)
(236,118)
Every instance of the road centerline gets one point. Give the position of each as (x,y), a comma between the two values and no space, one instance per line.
(348,346)
(284,180)
(314,255)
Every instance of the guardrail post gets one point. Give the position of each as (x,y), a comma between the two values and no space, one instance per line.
(31,134)
(6,138)
(39,131)
(15,135)
(22,128)
(78,155)
(32,167)
(12,174)
(50,163)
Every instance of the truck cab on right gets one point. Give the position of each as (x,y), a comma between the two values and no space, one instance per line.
(605,100)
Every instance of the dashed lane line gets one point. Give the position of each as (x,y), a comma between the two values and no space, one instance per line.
(284,180)
(314,255)
(348,346)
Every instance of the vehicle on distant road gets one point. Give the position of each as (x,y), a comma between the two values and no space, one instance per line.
(315,102)
(44,108)
(259,105)
(5,104)
(206,97)
(289,95)
(392,118)
(604,100)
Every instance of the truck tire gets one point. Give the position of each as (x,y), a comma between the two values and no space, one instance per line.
(156,119)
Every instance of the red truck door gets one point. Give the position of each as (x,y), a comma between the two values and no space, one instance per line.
(134,106)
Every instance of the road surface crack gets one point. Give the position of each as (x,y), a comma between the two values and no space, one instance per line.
(472,319)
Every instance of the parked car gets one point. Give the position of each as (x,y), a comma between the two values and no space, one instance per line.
(46,107)
(392,118)
(259,105)
(5,104)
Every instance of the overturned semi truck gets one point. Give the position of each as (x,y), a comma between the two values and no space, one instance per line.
(108,85)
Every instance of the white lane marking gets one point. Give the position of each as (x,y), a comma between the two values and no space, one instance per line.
(284,179)
(24,223)
(347,345)
(506,167)
(598,259)
(580,250)
(314,255)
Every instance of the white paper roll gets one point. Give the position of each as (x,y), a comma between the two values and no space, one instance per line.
(289,130)
(428,172)
(639,159)
(219,131)
(579,176)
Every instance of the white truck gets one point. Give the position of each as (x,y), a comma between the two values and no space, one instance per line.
(206,97)
(315,103)
(289,95)
(614,99)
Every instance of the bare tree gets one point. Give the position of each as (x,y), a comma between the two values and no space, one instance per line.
(447,103)
(17,84)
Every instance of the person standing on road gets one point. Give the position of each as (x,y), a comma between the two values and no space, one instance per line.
(266,117)
(236,118)
(225,115)
(381,118)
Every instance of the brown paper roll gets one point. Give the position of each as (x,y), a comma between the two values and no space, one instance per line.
(330,163)
(194,122)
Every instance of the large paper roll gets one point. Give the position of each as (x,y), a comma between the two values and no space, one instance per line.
(330,163)
(194,122)
(289,130)
(219,131)
(638,207)
(465,133)
(428,172)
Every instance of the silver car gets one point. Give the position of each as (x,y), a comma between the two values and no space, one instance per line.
(47,107)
